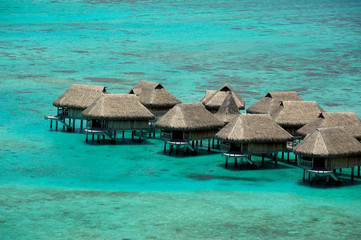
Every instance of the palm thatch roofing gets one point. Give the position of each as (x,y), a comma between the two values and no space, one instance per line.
(260,128)
(271,100)
(214,99)
(79,96)
(296,113)
(152,94)
(348,120)
(228,110)
(118,107)
(328,142)
(189,117)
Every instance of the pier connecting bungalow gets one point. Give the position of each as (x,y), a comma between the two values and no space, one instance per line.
(250,134)
(73,102)
(154,97)
(214,98)
(346,120)
(326,150)
(228,110)
(187,123)
(112,112)
(272,100)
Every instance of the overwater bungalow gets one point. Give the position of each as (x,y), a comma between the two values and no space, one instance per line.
(154,97)
(228,110)
(73,102)
(347,120)
(250,134)
(186,123)
(272,100)
(326,150)
(292,115)
(214,98)
(112,112)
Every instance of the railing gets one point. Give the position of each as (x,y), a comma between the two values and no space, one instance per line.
(165,135)
(307,164)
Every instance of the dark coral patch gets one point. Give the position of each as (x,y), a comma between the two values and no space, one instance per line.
(104,80)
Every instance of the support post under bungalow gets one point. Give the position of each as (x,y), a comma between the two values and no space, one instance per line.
(283,155)
(288,157)
(115,134)
(358,171)
(212,142)
(304,174)
(81,124)
(226,164)
(123,133)
(296,159)
(140,136)
(262,159)
(86,138)
(73,125)
(235,162)
(132,135)
(209,145)
(276,158)
(98,140)
(56,126)
(51,123)
(165,146)
(352,173)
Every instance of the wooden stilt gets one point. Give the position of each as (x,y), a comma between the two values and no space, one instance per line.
(93,137)
(165,146)
(56,126)
(73,125)
(296,159)
(309,176)
(352,173)
(132,135)
(283,155)
(328,179)
(288,157)
(226,164)
(235,162)
(212,142)
(153,133)
(81,124)
(86,139)
(51,123)
(103,137)
(140,136)
(276,163)
(150,133)
(123,133)
(170,148)
(201,142)
(304,173)
(209,145)
(193,144)
(340,169)
(262,159)
(358,171)
(98,138)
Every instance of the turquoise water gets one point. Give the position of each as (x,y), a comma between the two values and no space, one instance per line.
(55,186)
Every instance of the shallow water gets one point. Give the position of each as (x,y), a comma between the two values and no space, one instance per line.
(55,186)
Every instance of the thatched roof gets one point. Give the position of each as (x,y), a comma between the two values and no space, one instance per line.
(214,99)
(118,107)
(348,120)
(328,142)
(188,117)
(154,95)
(296,113)
(228,110)
(79,96)
(259,128)
(271,100)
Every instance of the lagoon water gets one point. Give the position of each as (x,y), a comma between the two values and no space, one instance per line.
(55,186)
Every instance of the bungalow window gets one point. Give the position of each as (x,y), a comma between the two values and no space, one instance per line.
(177,135)
(319,163)
(96,124)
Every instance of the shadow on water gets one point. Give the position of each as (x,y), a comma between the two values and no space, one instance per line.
(203,177)
(321,183)
(268,165)
(184,154)
(119,141)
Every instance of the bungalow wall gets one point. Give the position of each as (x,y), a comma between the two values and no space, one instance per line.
(343,162)
(118,124)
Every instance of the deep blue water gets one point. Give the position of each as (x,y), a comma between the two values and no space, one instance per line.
(55,186)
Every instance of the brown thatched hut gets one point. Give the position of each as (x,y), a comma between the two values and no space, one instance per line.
(253,134)
(271,100)
(154,97)
(188,122)
(73,102)
(214,99)
(347,120)
(292,115)
(112,112)
(327,149)
(228,110)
